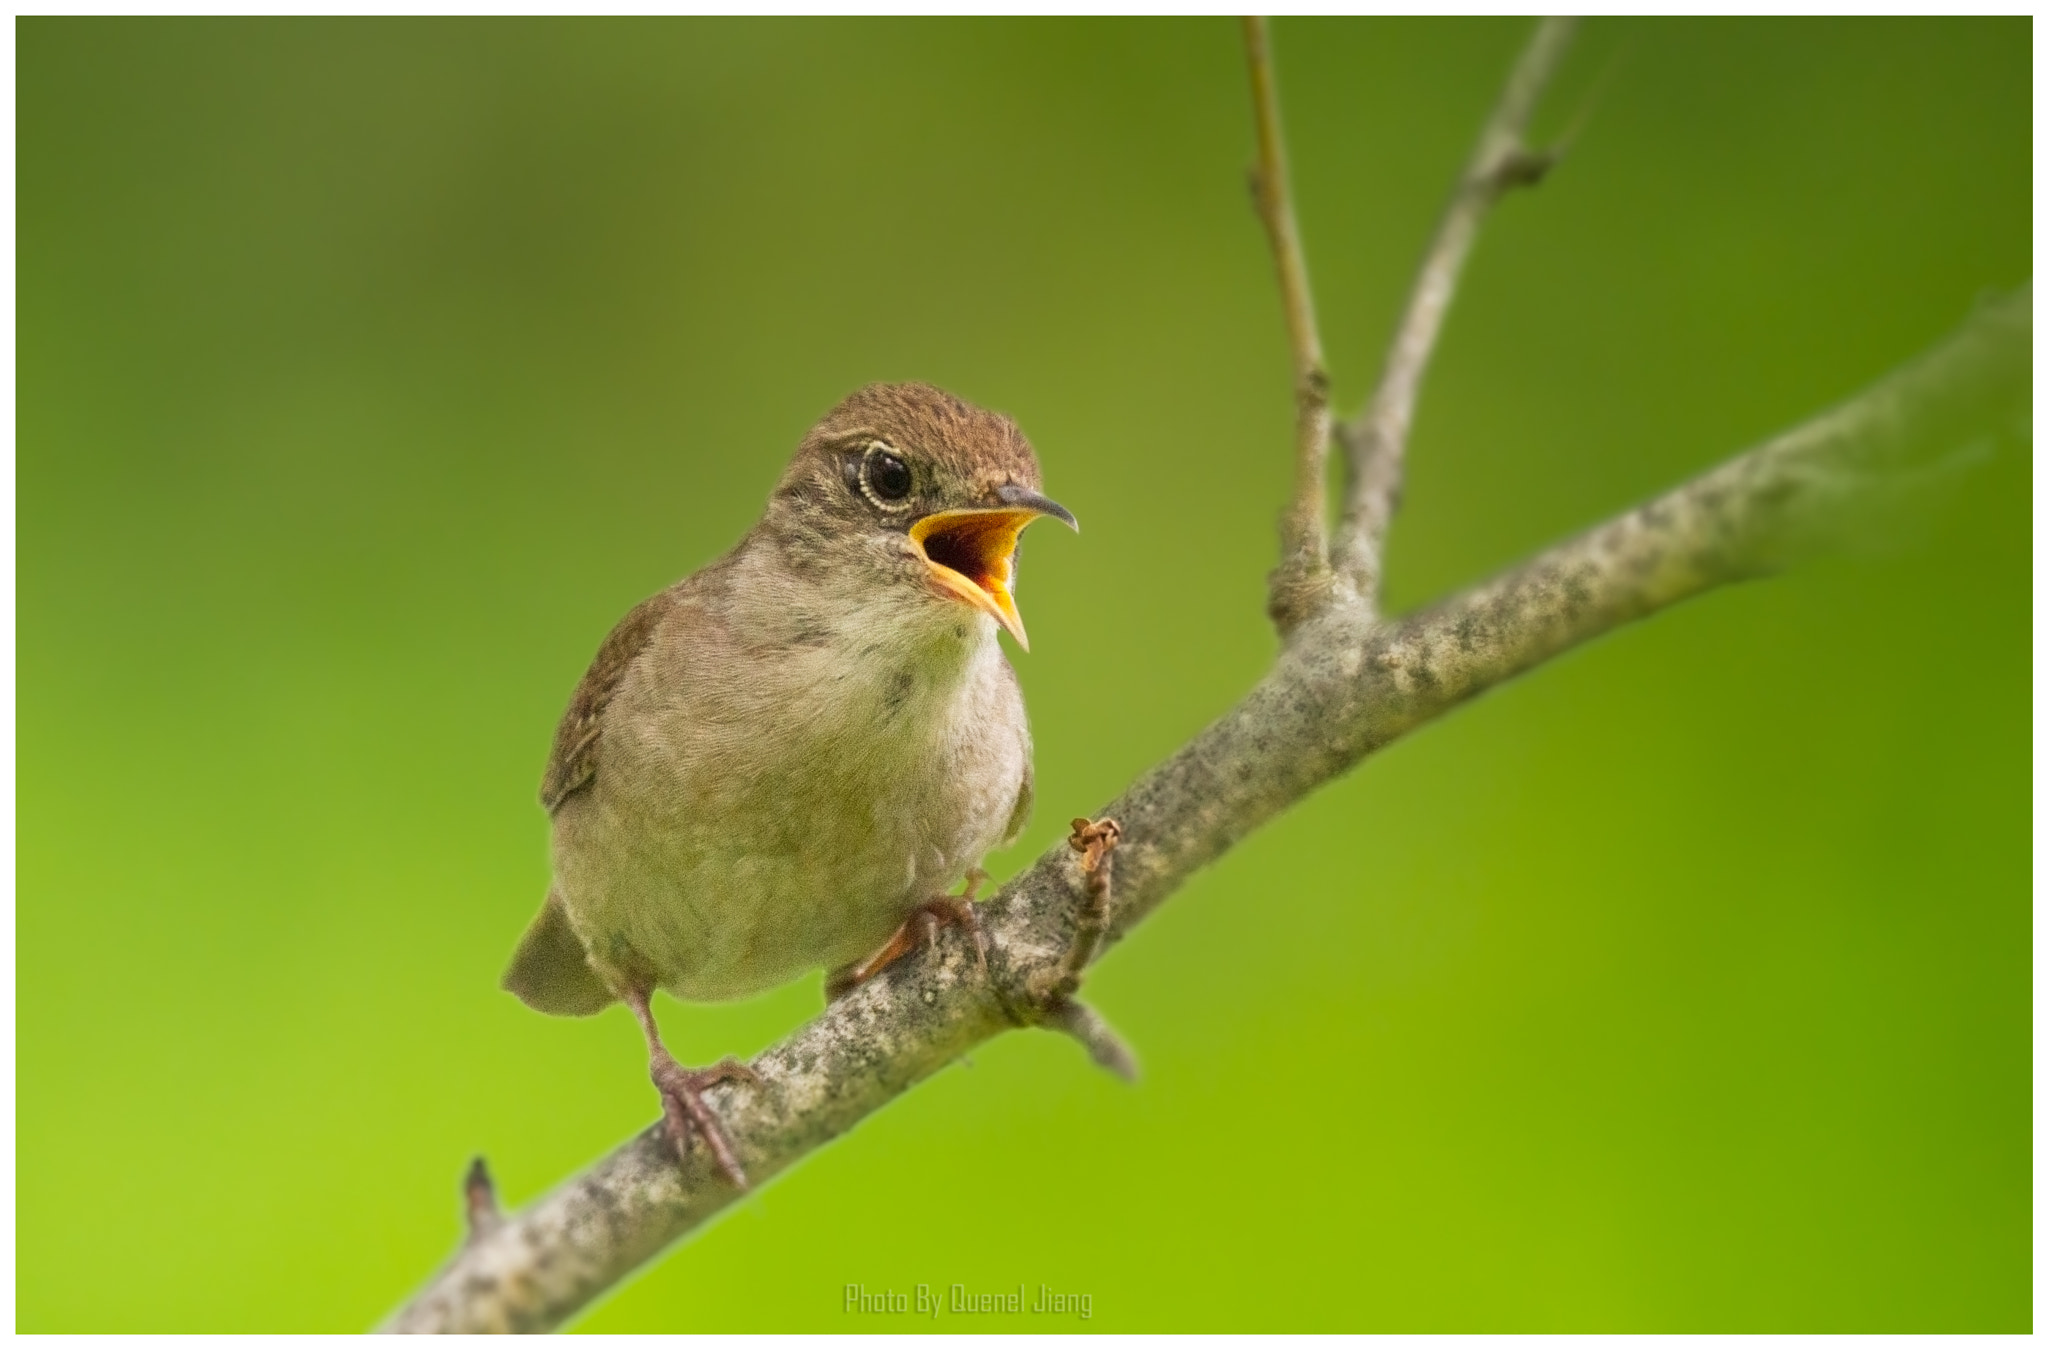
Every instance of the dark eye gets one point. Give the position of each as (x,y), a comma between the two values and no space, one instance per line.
(888,477)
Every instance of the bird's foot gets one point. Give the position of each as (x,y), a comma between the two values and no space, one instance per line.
(683,1108)
(920,930)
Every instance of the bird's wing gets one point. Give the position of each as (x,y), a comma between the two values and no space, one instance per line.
(573,762)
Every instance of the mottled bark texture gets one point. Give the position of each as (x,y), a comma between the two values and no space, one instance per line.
(1345,685)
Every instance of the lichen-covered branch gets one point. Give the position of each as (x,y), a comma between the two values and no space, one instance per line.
(1376,441)
(1301,583)
(1346,685)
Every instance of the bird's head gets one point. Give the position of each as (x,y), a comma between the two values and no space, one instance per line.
(903,485)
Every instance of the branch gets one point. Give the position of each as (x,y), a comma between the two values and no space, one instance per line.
(1376,440)
(1301,583)
(1346,685)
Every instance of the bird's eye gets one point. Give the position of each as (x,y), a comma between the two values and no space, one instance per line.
(886,477)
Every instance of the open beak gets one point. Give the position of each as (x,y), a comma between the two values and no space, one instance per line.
(971,552)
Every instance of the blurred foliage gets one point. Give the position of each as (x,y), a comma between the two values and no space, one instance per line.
(368,371)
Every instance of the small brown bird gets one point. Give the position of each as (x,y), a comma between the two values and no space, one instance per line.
(783,760)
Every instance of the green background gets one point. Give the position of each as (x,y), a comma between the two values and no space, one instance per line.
(369,371)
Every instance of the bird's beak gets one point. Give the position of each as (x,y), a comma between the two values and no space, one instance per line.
(970,552)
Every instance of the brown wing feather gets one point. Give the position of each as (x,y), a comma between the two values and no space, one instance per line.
(573,762)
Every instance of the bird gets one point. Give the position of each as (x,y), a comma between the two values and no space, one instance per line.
(783,761)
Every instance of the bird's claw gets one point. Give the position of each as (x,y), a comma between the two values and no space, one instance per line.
(956,911)
(921,929)
(682,1108)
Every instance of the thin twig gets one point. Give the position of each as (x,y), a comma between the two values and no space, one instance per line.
(1301,583)
(1075,1018)
(1375,441)
(1346,686)
(480,1201)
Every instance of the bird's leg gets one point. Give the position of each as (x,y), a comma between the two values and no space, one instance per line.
(921,929)
(682,1106)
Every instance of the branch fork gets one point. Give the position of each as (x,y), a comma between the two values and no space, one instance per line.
(1312,575)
